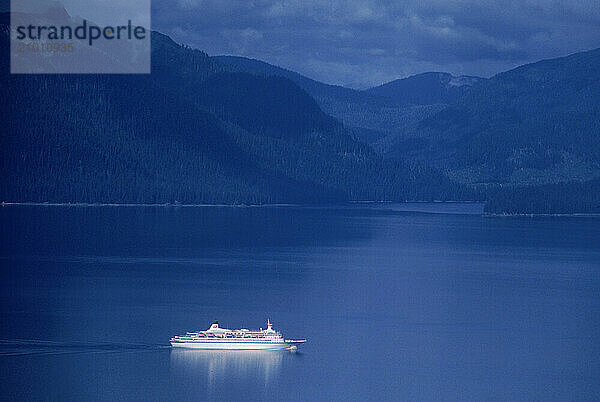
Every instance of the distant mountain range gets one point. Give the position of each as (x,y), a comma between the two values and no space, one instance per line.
(378,113)
(420,89)
(425,89)
(536,124)
(226,129)
(193,131)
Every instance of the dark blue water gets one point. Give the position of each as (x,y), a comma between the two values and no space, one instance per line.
(417,302)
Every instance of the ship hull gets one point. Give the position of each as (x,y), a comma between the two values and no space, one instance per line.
(232,345)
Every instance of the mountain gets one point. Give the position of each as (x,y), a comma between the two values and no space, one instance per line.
(323,93)
(203,129)
(425,89)
(273,106)
(376,114)
(350,106)
(538,123)
(193,131)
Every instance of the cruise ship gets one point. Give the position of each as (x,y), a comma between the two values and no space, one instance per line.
(239,339)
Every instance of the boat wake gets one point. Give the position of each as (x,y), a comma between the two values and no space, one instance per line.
(29,347)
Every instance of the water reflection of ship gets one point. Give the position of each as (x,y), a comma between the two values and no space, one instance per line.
(220,365)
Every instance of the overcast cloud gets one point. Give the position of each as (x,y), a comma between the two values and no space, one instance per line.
(367,42)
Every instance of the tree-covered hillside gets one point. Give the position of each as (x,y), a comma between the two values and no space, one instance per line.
(201,129)
(189,132)
(539,123)
(425,89)
(560,198)
(377,115)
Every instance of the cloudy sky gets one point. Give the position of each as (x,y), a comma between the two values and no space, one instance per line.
(360,43)
(366,42)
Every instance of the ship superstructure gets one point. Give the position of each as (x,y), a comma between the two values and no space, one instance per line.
(239,339)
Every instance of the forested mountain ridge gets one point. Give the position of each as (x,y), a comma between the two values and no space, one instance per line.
(283,109)
(538,123)
(190,132)
(529,126)
(203,129)
(534,124)
(425,89)
(318,90)
(359,111)
(376,114)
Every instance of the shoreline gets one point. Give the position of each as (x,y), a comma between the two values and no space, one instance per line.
(534,215)
(284,205)
(100,204)
(130,205)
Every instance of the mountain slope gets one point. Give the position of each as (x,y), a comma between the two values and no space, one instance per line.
(121,139)
(189,132)
(538,123)
(305,143)
(425,89)
(359,111)
(318,90)
(283,109)
(373,115)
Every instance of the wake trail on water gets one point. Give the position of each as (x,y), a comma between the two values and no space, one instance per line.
(29,347)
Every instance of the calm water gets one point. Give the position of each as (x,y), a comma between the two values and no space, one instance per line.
(416,302)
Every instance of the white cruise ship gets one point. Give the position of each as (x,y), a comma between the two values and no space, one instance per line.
(239,339)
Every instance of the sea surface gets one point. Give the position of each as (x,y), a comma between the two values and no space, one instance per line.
(397,301)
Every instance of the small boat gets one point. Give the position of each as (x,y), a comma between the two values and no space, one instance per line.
(239,339)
